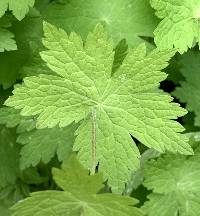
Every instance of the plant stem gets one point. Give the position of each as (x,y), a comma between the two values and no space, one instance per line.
(93,168)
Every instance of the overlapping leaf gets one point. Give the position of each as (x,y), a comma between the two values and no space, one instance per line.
(19,7)
(111,106)
(7,41)
(179,26)
(190,90)
(175,182)
(38,145)
(9,195)
(12,193)
(127,19)
(11,63)
(41,145)
(78,198)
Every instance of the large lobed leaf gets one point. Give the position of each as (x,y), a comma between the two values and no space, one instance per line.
(110,107)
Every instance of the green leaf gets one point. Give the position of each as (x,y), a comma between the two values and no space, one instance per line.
(190,90)
(175,182)
(173,70)
(9,195)
(78,198)
(137,177)
(7,41)
(127,19)
(19,7)
(26,31)
(38,145)
(179,26)
(35,65)
(10,117)
(9,154)
(4,94)
(111,107)
(41,145)
(121,51)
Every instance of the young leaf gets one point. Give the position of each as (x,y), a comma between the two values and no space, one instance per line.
(111,107)
(19,7)
(127,19)
(175,182)
(180,23)
(77,198)
(190,90)
(7,41)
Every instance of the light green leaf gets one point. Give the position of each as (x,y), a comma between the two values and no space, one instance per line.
(78,198)
(175,182)
(19,7)
(179,26)
(6,40)
(111,107)
(190,90)
(127,19)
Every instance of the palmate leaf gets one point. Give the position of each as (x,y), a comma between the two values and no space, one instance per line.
(38,145)
(189,91)
(180,23)
(77,198)
(127,19)
(175,182)
(19,7)
(110,107)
